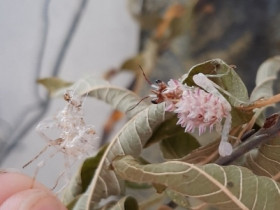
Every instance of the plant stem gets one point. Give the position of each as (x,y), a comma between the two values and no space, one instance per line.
(270,129)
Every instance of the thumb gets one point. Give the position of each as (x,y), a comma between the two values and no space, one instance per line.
(16,193)
(32,199)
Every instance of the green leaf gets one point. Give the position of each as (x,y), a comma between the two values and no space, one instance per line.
(175,143)
(130,141)
(265,161)
(269,68)
(71,205)
(89,167)
(52,84)
(120,98)
(126,203)
(202,154)
(79,183)
(137,186)
(226,78)
(178,146)
(225,187)
(165,130)
(132,64)
(266,78)
(179,199)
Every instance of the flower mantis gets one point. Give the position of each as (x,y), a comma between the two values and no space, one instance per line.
(199,107)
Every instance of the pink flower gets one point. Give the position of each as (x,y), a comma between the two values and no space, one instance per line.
(199,109)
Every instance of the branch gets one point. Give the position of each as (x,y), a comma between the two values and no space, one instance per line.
(261,103)
(69,36)
(270,129)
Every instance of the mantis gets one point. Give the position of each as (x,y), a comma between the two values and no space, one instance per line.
(199,107)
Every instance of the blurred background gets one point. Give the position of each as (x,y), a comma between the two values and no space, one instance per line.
(68,39)
(73,39)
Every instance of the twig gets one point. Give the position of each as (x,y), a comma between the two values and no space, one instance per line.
(69,37)
(16,137)
(209,158)
(270,129)
(261,103)
(42,48)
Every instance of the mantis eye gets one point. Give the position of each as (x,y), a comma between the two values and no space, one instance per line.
(154,101)
(158,81)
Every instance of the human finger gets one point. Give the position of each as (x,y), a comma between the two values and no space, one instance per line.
(32,199)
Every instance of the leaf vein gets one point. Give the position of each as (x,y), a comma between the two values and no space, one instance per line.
(269,159)
(259,167)
(276,186)
(257,189)
(222,187)
(240,184)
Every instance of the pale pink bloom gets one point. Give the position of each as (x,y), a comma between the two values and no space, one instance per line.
(201,110)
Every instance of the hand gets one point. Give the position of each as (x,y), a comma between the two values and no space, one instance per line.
(16,193)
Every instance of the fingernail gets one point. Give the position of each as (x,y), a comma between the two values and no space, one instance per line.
(42,201)
(32,199)
(48,203)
